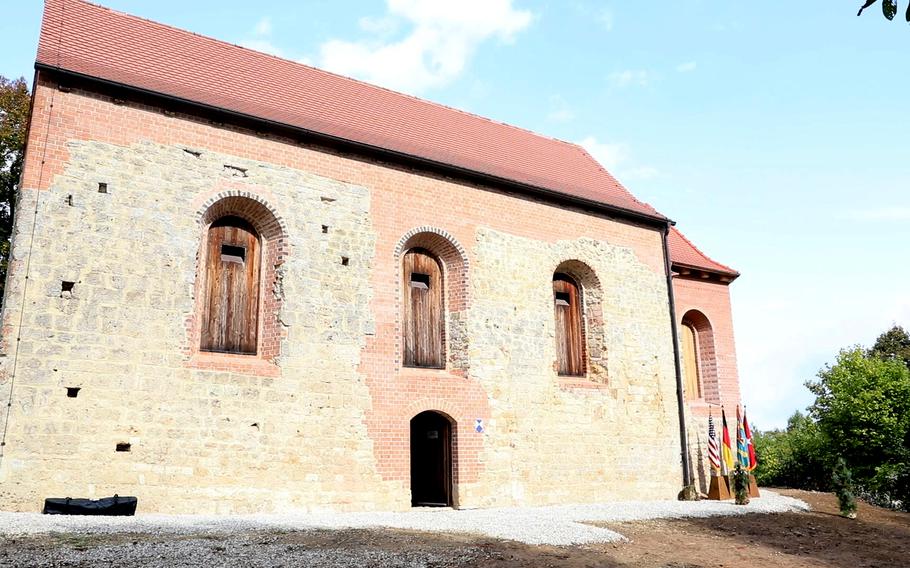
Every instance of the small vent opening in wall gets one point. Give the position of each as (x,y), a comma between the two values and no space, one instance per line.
(421,281)
(345,261)
(102,187)
(124,447)
(72,392)
(66,289)
(233,253)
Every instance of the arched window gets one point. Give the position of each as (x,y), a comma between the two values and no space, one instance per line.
(697,357)
(689,345)
(423,319)
(230,320)
(569,335)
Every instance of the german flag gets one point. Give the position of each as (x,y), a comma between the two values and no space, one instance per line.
(726,449)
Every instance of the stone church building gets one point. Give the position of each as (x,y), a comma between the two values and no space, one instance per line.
(241,284)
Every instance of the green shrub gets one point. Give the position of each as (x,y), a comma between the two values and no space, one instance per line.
(890,487)
(842,480)
(741,485)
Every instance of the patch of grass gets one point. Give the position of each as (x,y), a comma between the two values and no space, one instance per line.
(78,542)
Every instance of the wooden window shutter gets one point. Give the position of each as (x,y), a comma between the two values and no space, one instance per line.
(230,319)
(569,336)
(422,320)
(689,347)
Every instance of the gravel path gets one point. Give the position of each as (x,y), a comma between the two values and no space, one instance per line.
(558,525)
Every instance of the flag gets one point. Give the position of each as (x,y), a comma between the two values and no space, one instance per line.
(742,446)
(726,450)
(713,448)
(753,461)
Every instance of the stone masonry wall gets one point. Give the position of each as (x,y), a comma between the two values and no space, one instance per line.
(572,439)
(121,336)
(325,423)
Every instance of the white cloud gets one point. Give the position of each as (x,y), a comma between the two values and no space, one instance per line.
(260,40)
(379,26)
(606,19)
(879,214)
(614,157)
(263,27)
(630,78)
(686,67)
(442,39)
(610,156)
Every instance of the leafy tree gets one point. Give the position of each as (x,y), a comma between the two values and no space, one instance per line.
(889,8)
(862,407)
(893,344)
(14,106)
(861,416)
(794,457)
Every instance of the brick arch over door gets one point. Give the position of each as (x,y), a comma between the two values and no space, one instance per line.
(453,261)
(272,232)
(704,352)
(592,317)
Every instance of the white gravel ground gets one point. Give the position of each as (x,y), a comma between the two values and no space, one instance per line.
(558,525)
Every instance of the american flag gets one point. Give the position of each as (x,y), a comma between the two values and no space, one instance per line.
(713,446)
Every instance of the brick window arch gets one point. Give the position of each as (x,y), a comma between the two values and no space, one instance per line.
(433,296)
(699,364)
(579,322)
(243,245)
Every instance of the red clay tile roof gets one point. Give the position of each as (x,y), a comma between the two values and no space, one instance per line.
(98,42)
(684,253)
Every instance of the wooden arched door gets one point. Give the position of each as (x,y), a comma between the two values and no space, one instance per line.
(569,334)
(423,319)
(230,320)
(689,345)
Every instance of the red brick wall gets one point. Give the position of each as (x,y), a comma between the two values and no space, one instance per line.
(719,375)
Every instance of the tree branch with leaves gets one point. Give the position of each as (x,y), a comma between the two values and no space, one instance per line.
(14,106)
(889,8)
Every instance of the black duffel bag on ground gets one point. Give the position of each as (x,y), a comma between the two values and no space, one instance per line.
(111,506)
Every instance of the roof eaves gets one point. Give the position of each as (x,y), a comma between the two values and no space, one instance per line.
(654,218)
(732,274)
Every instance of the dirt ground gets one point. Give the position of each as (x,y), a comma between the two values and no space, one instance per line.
(878,538)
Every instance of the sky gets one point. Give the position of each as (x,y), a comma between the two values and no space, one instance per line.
(775,134)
